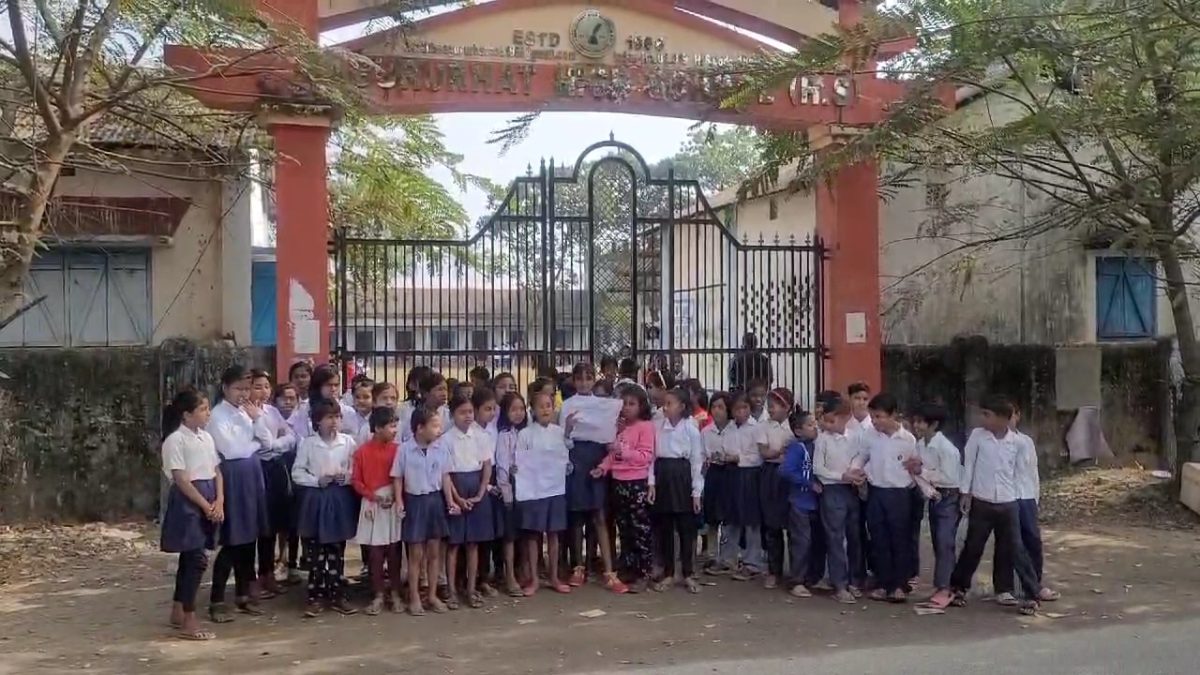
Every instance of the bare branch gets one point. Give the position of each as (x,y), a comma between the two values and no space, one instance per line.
(28,67)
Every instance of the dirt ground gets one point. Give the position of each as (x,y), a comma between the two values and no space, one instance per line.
(105,610)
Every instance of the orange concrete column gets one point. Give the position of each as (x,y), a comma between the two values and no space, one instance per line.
(301,240)
(848,222)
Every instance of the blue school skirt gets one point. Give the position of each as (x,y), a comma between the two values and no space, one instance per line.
(278,480)
(505,524)
(585,493)
(745,509)
(424,518)
(245,502)
(184,527)
(329,514)
(672,486)
(474,526)
(548,514)
(716,493)
(773,497)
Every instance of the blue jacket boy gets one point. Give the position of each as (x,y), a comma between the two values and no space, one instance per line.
(797,470)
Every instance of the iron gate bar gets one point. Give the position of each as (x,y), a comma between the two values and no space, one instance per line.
(517,275)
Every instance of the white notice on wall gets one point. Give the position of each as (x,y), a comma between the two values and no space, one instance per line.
(856,328)
(306,330)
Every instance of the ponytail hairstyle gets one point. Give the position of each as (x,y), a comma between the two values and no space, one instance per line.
(299,365)
(187,400)
(684,397)
(232,375)
(784,396)
(412,383)
(322,375)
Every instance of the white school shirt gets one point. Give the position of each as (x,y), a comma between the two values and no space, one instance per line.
(191,452)
(990,469)
(406,432)
(468,449)
(855,427)
(541,459)
(232,431)
(275,436)
(680,441)
(506,452)
(884,456)
(301,419)
(742,442)
(1029,483)
(762,417)
(941,462)
(316,458)
(353,422)
(595,418)
(714,442)
(421,469)
(833,455)
(776,436)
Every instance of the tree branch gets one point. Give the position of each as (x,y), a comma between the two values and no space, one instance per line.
(28,67)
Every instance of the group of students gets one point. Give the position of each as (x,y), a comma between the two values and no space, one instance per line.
(457,490)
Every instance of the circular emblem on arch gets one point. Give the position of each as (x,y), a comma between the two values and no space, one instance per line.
(593,34)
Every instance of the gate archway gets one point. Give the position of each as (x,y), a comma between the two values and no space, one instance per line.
(599,258)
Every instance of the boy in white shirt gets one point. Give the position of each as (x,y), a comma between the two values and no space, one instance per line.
(1028,493)
(939,465)
(886,449)
(989,498)
(834,464)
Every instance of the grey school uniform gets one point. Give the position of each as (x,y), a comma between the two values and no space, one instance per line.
(422,469)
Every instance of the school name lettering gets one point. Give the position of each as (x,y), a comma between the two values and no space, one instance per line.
(531,46)
(595,81)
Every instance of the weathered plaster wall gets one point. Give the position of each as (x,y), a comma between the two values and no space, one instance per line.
(80,428)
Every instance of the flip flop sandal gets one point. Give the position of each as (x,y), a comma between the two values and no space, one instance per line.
(196,636)
(937,604)
(451,603)
(220,614)
(416,609)
(958,600)
(691,586)
(661,586)
(313,609)
(515,592)
(475,601)
(250,608)
(344,608)
(374,608)
(1029,609)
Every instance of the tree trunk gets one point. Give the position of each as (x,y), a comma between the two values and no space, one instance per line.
(21,236)
(1187,417)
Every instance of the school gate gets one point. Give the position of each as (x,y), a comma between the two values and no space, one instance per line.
(598,258)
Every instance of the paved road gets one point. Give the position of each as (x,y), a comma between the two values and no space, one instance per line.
(1122,649)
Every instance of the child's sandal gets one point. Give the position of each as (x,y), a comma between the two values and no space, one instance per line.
(475,601)
(196,635)
(958,600)
(374,608)
(250,607)
(344,608)
(1029,608)
(662,586)
(514,591)
(691,585)
(219,613)
(451,602)
(416,609)
(313,609)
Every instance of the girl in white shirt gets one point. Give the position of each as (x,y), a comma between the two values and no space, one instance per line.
(287,399)
(383,395)
(510,421)
(471,452)
(774,435)
(323,385)
(718,474)
(491,566)
(195,505)
(232,428)
(276,440)
(745,513)
(676,483)
(329,514)
(541,465)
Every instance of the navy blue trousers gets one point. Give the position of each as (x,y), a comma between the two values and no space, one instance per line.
(844,547)
(889,519)
(1031,538)
(944,517)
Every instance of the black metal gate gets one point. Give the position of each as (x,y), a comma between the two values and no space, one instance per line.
(581,262)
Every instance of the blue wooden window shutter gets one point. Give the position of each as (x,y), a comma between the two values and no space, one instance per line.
(1125,298)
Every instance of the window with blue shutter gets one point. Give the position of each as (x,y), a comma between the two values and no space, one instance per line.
(262,304)
(94,298)
(1125,298)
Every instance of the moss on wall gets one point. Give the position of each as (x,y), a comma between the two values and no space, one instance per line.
(81,427)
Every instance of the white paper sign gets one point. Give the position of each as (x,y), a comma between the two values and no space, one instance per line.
(856,328)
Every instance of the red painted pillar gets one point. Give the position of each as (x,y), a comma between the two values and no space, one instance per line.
(302,230)
(848,222)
